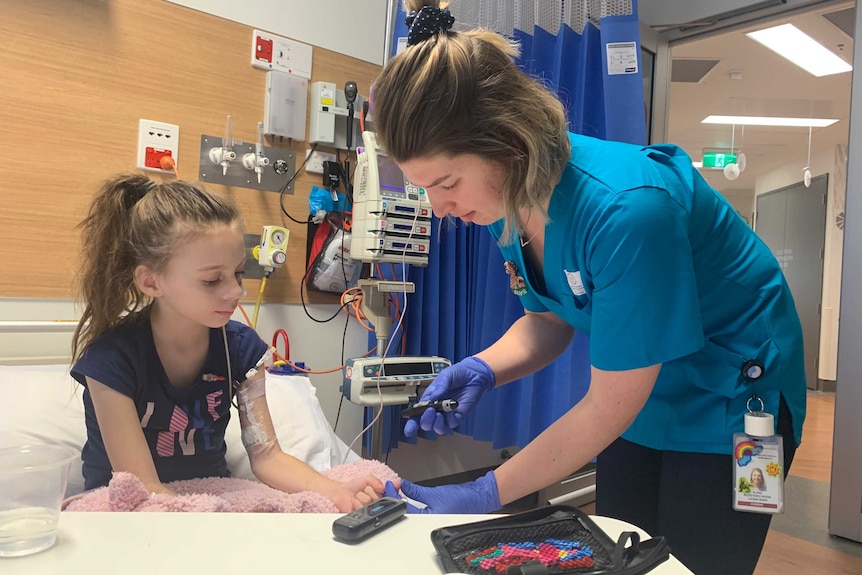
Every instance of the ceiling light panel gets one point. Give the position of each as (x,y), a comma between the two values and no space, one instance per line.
(770,121)
(792,43)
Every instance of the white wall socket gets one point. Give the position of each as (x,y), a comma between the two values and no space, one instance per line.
(157,139)
(271,52)
(315,161)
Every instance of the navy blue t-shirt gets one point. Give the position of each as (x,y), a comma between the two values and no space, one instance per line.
(184,428)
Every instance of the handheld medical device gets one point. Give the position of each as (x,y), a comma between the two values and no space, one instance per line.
(440,406)
(401,379)
(350,93)
(370,519)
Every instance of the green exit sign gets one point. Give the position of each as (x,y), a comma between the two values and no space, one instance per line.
(717,159)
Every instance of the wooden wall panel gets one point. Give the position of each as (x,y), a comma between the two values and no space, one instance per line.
(75,77)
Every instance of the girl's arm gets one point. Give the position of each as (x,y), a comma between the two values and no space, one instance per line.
(285,472)
(123,437)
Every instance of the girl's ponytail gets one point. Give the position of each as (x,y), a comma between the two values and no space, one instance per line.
(106,278)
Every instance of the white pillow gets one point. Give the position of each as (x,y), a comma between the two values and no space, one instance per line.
(42,403)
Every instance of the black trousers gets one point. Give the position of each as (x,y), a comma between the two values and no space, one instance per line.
(687,498)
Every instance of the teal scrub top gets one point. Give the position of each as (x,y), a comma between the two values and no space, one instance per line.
(656,267)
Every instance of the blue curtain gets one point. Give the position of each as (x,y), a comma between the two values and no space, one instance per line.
(463,303)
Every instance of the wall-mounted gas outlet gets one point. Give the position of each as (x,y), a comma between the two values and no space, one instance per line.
(156,140)
(273,246)
(274,176)
(272,52)
(315,161)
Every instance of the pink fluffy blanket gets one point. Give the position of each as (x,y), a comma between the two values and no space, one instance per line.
(125,492)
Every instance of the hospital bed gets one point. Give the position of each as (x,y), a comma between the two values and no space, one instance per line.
(39,402)
(42,403)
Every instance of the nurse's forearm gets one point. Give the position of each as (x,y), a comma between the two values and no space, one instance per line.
(532,342)
(614,400)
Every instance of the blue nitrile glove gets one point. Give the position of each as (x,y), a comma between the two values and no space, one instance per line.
(465,382)
(478,496)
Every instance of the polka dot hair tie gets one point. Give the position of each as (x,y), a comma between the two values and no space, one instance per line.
(427,22)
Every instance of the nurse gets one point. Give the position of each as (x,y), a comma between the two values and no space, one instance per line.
(688,313)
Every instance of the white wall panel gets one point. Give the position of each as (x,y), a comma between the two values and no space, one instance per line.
(356,29)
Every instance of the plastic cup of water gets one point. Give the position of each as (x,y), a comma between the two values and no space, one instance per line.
(32,484)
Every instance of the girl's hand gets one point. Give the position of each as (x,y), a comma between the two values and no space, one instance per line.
(158,489)
(354,494)
(479,496)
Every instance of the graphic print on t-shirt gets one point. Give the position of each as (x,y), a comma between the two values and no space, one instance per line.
(186,427)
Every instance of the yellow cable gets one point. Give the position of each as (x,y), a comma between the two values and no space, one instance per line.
(259,301)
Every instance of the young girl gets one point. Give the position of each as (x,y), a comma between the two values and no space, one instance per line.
(158,354)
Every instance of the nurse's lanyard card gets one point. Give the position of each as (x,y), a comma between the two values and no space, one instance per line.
(758,464)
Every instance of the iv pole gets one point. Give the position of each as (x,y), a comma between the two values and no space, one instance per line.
(375,306)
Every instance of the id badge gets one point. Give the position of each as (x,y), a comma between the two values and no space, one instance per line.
(758,473)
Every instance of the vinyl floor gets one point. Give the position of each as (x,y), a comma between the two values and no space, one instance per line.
(798,540)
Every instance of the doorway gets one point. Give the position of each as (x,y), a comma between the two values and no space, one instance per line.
(792,222)
(730,75)
(721,71)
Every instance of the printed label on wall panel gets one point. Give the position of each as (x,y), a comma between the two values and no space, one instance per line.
(622,58)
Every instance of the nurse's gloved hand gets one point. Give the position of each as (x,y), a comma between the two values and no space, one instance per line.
(464,382)
(478,496)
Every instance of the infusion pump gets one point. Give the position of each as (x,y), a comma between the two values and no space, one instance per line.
(391,216)
(400,379)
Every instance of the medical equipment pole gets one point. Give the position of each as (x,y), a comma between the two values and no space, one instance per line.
(375,306)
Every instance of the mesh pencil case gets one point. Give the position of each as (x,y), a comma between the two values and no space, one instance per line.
(551,540)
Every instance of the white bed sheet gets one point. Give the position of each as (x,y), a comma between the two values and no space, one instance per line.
(42,403)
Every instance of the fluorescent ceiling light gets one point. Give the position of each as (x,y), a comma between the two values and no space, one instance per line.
(770,121)
(697,164)
(792,43)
